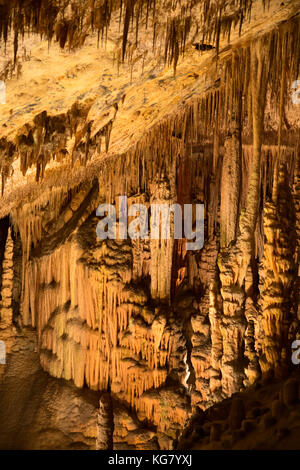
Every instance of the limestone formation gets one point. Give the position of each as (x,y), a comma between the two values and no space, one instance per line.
(105,423)
(166,103)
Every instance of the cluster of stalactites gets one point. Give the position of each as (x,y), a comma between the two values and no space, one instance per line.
(87,319)
(69,22)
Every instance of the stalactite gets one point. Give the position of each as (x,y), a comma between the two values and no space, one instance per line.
(215,183)
(202,335)
(202,112)
(7,150)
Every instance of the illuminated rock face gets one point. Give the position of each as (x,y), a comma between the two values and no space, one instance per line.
(153,329)
(105,423)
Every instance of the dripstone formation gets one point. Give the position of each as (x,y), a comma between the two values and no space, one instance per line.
(169,102)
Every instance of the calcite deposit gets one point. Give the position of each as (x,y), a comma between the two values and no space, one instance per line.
(127,343)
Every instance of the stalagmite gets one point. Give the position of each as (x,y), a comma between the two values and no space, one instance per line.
(7,329)
(105,423)
(204,332)
(252,370)
(161,250)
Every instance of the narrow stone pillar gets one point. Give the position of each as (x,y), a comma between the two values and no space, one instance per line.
(230,185)
(6,311)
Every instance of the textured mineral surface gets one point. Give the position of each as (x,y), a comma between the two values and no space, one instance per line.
(143,343)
